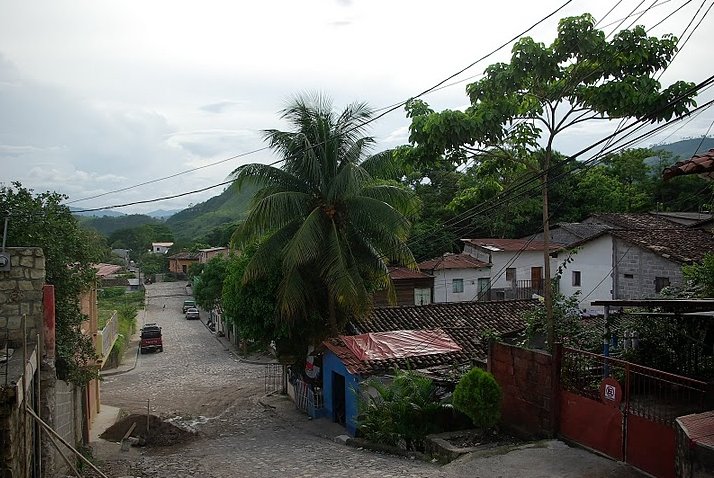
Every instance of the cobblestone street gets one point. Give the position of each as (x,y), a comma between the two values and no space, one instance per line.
(198,380)
(200,384)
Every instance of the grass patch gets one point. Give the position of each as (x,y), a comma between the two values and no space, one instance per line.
(127,305)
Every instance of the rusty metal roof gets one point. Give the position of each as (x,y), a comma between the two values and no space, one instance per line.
(452,261)
(400,273)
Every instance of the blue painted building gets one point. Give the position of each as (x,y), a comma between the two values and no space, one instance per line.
(340,388)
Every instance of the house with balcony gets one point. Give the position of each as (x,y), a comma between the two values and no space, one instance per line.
(161,247)
(515,266)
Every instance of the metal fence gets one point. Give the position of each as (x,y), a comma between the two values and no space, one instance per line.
(646,392)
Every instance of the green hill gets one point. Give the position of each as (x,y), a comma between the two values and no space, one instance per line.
(227,208)
(106,225)
(686,148)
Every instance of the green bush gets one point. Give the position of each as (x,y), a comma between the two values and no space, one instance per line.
(402,413)
(478,396)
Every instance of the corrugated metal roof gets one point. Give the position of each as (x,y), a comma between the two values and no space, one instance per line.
(452,261)
(397,273)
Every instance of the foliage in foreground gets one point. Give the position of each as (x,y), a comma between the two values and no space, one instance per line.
(126,304)
(403,412)
(41,220)
(478,396)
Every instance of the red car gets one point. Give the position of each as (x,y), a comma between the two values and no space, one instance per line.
(151,339)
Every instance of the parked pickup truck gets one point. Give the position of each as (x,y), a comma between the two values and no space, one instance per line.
(187,304)
(151,339)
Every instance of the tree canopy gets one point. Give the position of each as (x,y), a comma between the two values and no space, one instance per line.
(325,213)
(519,108)
(40,220)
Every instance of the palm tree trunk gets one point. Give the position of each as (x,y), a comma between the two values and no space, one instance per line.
(332,317)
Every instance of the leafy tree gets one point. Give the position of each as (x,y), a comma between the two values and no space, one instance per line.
(252,307)
(151,264)
(41,220)
(479,397)
(139,239)
(209,289)
(334,227)
(701,276)
(403,412)
(519,108)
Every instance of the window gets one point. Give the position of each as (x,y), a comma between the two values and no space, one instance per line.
(484,286)
(629,276)
(511,276)
(422,296)
(457,285)
(661,283)
(576,278)
(184,268)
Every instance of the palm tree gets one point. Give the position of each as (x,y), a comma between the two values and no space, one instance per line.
(328,213)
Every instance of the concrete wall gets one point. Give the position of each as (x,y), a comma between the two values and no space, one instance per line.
(594,262)
(636,270)
(331,364)
(444,279)
(526,380)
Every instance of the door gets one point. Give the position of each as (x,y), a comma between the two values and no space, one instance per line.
(537,278)
(338,398)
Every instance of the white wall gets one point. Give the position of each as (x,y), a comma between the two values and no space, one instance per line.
(523,264)
(594,261)
(443,284)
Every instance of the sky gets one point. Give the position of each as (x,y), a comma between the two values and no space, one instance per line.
(98,96)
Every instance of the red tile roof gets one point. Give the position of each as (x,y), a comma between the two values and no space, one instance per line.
(698,164)
(464,322)
(510,245)
(104,270)
(452,261)
(397,273)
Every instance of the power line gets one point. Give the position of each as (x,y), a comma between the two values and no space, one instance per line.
(388,110)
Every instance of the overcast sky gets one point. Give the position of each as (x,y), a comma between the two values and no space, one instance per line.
(98,95)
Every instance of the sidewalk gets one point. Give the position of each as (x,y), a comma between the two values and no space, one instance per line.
(131,354)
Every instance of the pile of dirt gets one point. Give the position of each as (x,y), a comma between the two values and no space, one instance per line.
(160,433)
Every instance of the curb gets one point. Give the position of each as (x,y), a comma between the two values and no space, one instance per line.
(119,372)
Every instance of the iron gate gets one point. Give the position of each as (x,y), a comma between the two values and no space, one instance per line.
(625,410)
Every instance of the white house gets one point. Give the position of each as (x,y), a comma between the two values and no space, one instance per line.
(457,277)
(161,247)
(516,265)
(634,257)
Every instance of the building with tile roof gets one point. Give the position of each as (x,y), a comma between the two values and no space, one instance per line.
(438,340)
(701,164)
(411,287)
(634,258)
(457,277)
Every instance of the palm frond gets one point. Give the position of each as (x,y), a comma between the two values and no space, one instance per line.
(384,165)
(271,213)
(266,175)
(349,181)
(306,244)
(265,253)
(401,199)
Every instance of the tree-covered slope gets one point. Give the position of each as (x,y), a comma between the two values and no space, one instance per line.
(107,225)
(195,222)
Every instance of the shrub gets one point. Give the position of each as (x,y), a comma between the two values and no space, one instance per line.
(403,413)
(478,396)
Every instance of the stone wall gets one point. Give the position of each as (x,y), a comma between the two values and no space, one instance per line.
(21,294)
(16,441)
(528,402)
(637,270)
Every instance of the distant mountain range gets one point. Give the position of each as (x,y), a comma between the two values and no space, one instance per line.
(158,214)
(686,148)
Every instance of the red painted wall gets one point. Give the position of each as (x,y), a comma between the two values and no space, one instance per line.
(526,380)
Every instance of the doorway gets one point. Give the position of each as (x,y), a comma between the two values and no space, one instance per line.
(338,398)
